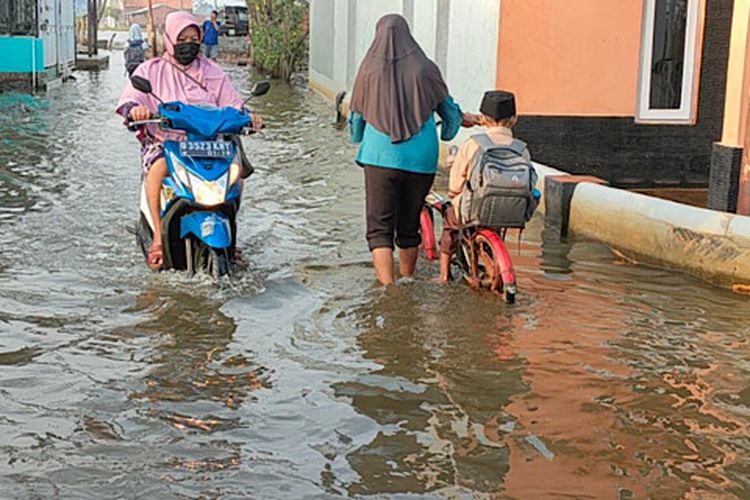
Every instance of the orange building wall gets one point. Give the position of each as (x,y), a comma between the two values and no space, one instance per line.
(571,57)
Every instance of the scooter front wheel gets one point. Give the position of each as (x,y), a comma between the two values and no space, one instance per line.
(214,262)
(218,264)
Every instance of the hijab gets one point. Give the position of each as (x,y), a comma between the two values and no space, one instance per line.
(135,33)
(200,82)
(397,86)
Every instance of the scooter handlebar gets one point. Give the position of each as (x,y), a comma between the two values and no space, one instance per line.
(250,130)
(134,124)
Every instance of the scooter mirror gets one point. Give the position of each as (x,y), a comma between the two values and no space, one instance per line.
(141,84)
(260,88)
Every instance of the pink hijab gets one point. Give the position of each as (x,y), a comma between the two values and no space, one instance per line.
(208,85)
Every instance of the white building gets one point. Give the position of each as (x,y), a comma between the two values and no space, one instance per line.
(37,42)
(341,31)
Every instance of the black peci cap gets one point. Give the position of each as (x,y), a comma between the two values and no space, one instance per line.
(498,104)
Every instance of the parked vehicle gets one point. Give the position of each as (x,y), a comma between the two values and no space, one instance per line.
(234,21)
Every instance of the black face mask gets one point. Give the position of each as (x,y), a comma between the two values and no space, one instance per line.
(186,52)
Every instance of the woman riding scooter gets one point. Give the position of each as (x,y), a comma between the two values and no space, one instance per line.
(181,74)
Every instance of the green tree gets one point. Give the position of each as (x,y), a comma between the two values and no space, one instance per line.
(280,31)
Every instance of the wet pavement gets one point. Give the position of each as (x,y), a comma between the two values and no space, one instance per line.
(301,378)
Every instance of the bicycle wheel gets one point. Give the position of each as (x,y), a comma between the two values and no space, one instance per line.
(491,266)
(427,230)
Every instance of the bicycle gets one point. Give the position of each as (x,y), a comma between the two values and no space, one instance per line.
(481,255)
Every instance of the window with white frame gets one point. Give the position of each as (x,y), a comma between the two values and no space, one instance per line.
(669,61)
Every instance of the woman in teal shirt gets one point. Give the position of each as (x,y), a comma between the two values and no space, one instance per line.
(396,94)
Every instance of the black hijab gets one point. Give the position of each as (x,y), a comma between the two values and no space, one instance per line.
(397,87)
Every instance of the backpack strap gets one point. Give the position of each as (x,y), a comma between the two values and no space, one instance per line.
(484,141)
(485,144)
(189,76)
(518,146)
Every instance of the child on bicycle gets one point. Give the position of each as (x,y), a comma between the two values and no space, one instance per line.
(498,116)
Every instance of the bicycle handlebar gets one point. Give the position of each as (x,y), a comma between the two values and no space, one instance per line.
(437,201)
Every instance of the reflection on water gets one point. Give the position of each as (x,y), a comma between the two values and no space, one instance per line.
(300,377)
(192,364)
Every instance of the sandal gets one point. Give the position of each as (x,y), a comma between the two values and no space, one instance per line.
(238,260)
(155,257)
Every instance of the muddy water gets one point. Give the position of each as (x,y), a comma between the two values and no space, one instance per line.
(299,378)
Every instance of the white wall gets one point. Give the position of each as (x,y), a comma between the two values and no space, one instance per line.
(368,13)
(472,52)
(472,34)
(322,55)
(56,20)
(425,25)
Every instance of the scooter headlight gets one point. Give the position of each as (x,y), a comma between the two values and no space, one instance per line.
(209,193)
(234,173)
(180,172)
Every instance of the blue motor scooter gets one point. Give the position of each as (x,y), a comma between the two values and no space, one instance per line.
(201,195)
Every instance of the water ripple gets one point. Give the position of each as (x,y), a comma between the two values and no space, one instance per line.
(299,377)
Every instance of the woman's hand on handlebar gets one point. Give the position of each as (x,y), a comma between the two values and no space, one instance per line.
(257,121)
(139,113)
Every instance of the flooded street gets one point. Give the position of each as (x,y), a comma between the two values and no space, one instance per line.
(300,378)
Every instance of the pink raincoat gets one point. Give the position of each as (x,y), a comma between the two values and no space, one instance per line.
(171,84)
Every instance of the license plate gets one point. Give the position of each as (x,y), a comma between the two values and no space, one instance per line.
(206,149)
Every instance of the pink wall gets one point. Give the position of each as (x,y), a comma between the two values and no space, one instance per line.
(571,57)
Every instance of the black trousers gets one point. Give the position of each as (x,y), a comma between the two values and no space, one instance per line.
(394,201)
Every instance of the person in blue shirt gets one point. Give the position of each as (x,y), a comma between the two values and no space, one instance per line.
(396,93)
(211,36)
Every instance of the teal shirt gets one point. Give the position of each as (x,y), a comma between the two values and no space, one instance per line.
(418,154)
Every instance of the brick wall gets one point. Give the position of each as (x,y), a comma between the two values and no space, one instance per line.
(176,4)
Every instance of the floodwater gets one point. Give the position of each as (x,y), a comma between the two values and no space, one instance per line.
(300,378)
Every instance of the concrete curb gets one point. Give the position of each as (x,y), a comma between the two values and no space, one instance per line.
(544,171)
(712,245)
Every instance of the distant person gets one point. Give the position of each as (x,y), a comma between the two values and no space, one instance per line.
(135,53)
(396,94)
(211,36)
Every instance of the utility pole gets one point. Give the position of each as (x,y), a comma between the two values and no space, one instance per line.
(93,21)
(250,46)
(152,29)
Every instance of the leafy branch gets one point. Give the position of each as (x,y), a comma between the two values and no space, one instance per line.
(280,30)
